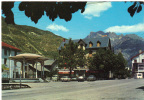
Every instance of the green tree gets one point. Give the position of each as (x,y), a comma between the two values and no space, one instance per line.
(120,67)
(107,61)
(102,60)
(67,57)
(80,57)
(70,56)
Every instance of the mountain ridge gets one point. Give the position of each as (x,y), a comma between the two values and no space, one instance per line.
(30,39)
(129,44)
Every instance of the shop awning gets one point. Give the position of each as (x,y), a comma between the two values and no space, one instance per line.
(65,72)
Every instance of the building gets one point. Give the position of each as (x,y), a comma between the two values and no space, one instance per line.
(138,63)
(91,45)
(9,50)
(49,66)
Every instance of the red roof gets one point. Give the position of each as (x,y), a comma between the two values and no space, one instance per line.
(9,46)
(137,55)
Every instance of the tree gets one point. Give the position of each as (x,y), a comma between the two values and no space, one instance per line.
(80,57)
(102,60)
(106,61)
(67,57)
(136,7)
(120,69)
(70,56)
(63,10)
(35,10)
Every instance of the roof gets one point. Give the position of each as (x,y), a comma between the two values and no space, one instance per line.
(103,40)
(38,67)
(49,62)
(29,57)
(137,55)
(9,46)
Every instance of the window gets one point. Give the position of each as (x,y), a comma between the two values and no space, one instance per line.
(90,44)
(90,53)
(81,45)
(135,61)
(5,61)
(64,46)
(5,52)
(15,53)
(142,60)
(98,44)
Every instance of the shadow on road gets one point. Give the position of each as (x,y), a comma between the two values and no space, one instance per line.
(142,87)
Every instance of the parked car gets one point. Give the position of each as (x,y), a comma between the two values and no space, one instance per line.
(65,79)
(55,78)
(74,78)
(80,78)
(138,75)
(91,78)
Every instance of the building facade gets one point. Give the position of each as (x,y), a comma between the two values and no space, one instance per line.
(138,63)
(91,45)
(7,51)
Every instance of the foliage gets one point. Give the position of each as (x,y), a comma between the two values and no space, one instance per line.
(70,56)
(106,61)
(63,10)
(35,10)
(80,57)
(31,40)
(136,7)
(4,67)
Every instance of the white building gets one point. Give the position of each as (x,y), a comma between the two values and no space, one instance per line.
(13,68)
(138,63)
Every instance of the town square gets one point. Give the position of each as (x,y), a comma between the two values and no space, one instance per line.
(72,50)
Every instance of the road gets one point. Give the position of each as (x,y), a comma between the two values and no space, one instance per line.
(125,89)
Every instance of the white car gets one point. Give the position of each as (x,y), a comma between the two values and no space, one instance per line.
(138,75)
(65,79)
(55,78)
(80,78)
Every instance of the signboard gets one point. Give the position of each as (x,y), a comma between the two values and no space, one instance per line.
(4,74)
(65,72)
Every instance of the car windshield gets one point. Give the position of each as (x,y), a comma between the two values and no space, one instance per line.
(91,76)
(65,77)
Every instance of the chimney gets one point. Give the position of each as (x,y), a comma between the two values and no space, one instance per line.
(140,51)
(63,39)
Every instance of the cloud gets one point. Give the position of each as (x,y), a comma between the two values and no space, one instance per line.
(88,17)
(95,8)
(55,27)
(126,28)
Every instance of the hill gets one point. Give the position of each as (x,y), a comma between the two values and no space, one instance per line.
(129,44)
(31,40)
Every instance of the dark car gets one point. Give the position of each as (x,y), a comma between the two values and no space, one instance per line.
(91,78)
(74,78)
(80,78)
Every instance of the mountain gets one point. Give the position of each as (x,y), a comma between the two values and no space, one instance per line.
(31,40)
(129,44)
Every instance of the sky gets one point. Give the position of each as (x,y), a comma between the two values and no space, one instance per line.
(98,16)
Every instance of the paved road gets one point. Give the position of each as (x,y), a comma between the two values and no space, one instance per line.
(125,89)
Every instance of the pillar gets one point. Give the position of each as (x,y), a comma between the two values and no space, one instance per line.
(43,69)
(33,70)
(14,69)
(27,70)
(23,67)
(36,69)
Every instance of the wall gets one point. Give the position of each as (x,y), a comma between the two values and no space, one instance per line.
(10,63)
